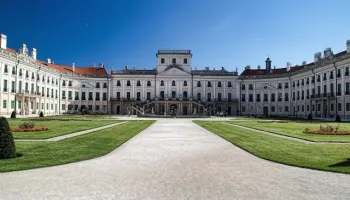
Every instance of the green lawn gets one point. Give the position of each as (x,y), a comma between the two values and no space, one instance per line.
(328,157)
(76,116)
(88,146)
(57,128)
(295,129)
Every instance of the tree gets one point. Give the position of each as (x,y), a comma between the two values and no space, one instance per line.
(41,114)
(13,114)
(7,144)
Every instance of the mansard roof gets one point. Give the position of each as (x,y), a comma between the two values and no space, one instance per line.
(280,71)
(63,68)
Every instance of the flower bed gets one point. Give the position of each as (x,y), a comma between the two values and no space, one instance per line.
(328,130)
(273,121)
(34,129)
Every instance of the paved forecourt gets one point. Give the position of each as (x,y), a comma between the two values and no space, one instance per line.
(174,159)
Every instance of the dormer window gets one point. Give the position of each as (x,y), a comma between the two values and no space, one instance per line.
(162,60)
(173,61)
(185,60)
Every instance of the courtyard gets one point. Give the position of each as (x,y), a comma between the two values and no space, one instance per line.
(180,159)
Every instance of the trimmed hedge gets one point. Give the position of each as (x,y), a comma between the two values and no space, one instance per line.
(7,144)
(41,114)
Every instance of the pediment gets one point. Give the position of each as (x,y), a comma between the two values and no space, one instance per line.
(174,72)
(86,85)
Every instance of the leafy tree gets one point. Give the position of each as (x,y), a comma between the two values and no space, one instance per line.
(7,144)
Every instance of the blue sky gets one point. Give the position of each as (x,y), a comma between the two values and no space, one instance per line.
(220,33)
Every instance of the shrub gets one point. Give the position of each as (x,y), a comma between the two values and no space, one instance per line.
(7,144)
(337,119)
(309,117)
(26,125)
(328,130)
(35,128)
(13,114)
(41,114)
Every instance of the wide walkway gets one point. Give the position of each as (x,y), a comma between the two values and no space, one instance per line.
(174,159)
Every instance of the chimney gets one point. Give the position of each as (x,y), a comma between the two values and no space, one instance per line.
(48,61)
(258,66)
(288,66)
(93,65)
(126,67)
(348,46)
(317,56)
(328,53)
(73,67)
(100,65)
(3,41)
(304,63)
(247,67)
(33,53)
(268,65)
(24,50)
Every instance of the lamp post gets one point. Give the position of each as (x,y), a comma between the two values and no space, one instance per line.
(17,63)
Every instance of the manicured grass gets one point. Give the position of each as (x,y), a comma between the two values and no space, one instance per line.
(328,157)
(295,129)
(91,145)
(57,128)
(76,116)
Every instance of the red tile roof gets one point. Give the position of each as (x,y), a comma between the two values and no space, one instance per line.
(255,72)
(78,70)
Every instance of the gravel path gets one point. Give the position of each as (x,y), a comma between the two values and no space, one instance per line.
(174,159)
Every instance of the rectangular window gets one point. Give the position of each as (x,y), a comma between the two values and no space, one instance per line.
(83,96)
(76,107)
(104,96)
(97,98)
(12,104)
(339,106)
(5,86)
(69,94)
(97,107)
(63,107)
(90,107)
(347,106)
(42,106)
(332,107)
(286,109)
(4,104)
(76,96)
(90,95)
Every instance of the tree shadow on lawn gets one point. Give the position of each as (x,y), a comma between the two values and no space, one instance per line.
(345,163)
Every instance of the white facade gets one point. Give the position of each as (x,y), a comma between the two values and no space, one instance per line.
(321,88)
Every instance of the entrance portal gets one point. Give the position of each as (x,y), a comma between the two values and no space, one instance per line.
(173,109)
(184,110)
(118,110)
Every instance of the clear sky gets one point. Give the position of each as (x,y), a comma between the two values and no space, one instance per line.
(224,33)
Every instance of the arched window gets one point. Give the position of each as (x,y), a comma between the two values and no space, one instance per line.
(138,83)
(27,75)
(173,83)
(219,84)
(161,83)
(198,84)
(148,83)
(173,94)
(118,82)
(185,95)
(97,85)
(185,60)
(128,83)
(162,94)
(20,72)
(185,83)
(5,69)
(104,85)
(13,70)
(209,84)
(243,87)
(209,97)
(229,84)
(162,60)
(173,61)
(34,77)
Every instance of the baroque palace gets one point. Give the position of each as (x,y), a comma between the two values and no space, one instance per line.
(174,87)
